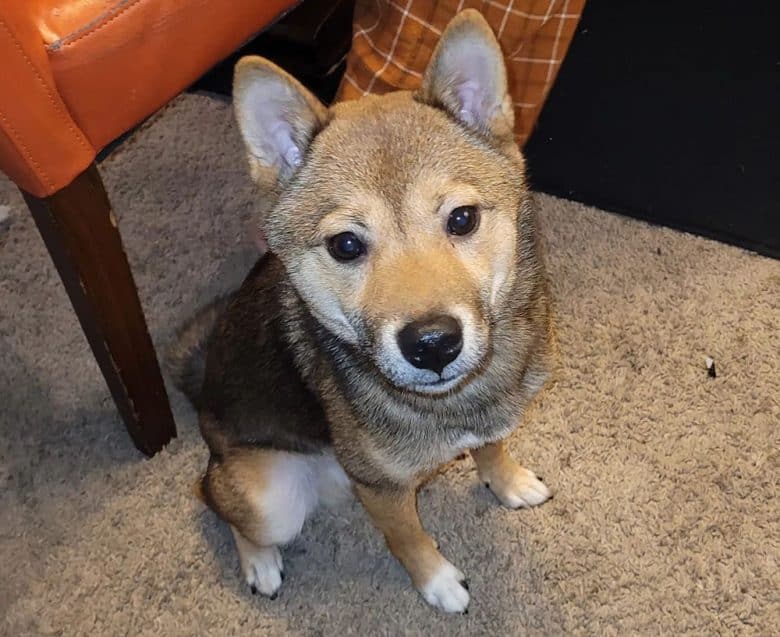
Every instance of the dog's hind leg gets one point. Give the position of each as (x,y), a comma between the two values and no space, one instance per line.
(513,485)
(266,496)
(261,565)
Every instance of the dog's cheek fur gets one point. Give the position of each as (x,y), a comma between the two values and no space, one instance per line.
(503,264)
(327,290)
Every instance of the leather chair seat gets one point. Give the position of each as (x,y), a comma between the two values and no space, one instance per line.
(79,73)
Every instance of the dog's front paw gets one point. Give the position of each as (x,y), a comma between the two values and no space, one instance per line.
(263,570)
(447,589)
(517,487)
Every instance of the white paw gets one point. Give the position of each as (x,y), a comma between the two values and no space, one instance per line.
(522,489)
(447,589)
(263,570)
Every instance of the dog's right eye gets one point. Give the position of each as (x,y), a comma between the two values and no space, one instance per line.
(463,220)
(345,246)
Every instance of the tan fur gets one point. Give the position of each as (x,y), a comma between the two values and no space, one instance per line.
(494,465)
(235,486)
(395,515)
(409,222)
(305,361)
(512,484)
(411,283)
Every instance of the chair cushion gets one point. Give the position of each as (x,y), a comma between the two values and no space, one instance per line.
(117,61)
(79,73)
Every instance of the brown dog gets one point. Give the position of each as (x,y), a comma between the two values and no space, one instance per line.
(400,318)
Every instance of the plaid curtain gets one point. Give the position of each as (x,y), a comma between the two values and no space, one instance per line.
(393,40)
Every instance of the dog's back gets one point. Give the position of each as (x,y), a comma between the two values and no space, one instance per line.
(234,363)
(185,361)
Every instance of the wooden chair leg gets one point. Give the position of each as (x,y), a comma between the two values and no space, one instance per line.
(81,234)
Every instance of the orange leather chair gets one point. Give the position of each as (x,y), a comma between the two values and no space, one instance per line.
(74,76)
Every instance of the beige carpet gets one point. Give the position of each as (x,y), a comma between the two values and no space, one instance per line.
(666,518)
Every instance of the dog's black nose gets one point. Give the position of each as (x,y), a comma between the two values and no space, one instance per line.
(431,343)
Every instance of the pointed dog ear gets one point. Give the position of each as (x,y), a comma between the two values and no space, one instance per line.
(467,76)
(277,118)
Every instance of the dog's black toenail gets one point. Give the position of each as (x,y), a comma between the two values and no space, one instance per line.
(466,612)
(465,584)
(487,485)
(274,596)
(281,574)
(253,588)
(540,478)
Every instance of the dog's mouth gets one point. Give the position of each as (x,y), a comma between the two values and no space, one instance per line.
(440,386)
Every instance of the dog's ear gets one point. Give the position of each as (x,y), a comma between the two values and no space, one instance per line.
(277,118)
(467,76)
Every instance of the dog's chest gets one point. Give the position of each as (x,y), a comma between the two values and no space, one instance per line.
(405,461)
(404,457)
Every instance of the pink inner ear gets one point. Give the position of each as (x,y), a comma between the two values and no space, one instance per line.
(472,77)
(281,136)
(471,101)
(271,110)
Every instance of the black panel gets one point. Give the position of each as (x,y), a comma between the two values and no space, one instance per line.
(310,42)
(670,112)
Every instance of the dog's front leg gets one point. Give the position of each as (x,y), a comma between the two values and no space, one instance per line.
(513,485)
(394,512)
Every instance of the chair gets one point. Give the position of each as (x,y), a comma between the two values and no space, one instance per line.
(74,76)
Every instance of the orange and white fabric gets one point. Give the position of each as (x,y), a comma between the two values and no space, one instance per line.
(393,40)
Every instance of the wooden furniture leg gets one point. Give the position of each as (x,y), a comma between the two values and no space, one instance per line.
(80,232)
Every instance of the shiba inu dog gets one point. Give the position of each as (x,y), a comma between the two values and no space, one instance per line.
(400,317)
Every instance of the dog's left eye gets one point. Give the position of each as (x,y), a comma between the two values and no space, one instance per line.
(345,246)
(463,220)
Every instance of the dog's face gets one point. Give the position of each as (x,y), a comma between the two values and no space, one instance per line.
(397,216)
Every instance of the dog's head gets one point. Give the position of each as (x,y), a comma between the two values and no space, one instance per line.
(397,216)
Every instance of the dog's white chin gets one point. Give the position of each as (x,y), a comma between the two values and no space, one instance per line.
(429,383)
(439,387)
